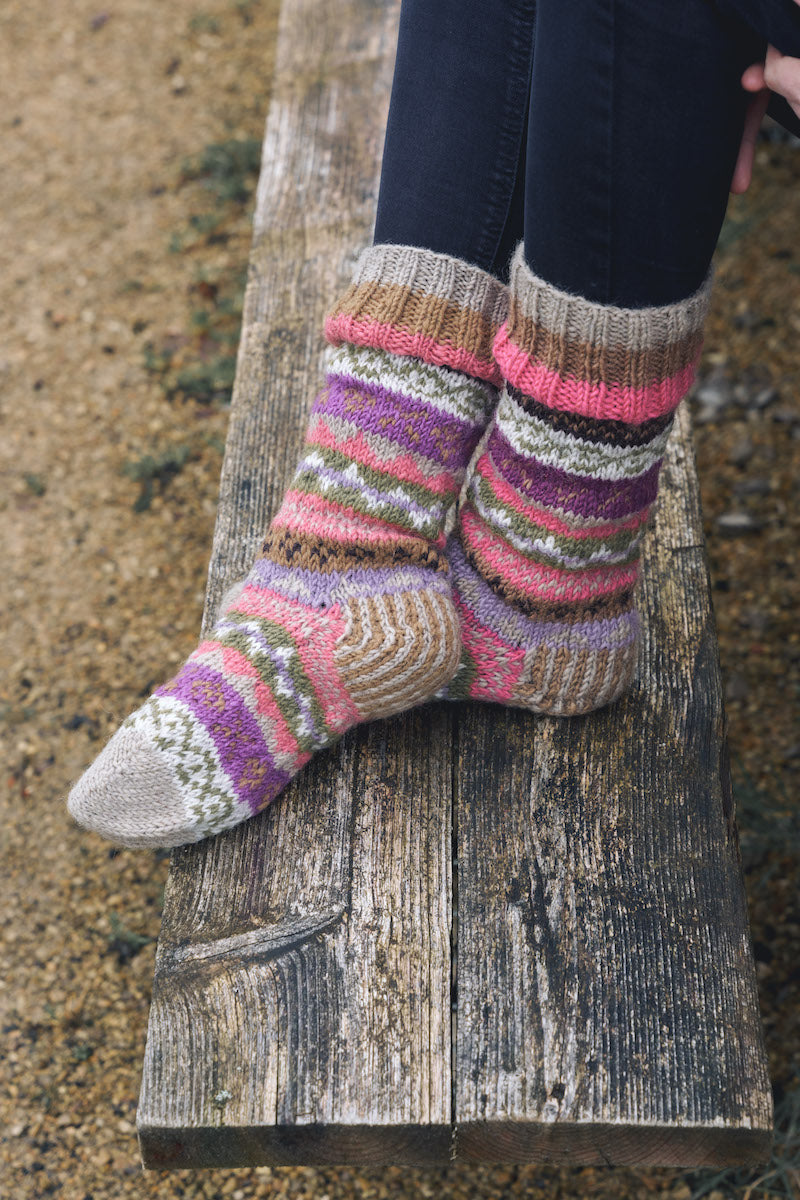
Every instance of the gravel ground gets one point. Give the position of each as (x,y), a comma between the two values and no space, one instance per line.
(116,277)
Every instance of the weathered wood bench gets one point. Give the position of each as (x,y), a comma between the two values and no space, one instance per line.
(468,934)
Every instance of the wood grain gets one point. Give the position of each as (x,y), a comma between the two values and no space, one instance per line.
(301,1003)
(467,934)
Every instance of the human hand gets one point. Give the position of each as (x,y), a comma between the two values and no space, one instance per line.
(778,73)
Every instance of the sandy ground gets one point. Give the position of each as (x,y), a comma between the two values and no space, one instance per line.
(108,262)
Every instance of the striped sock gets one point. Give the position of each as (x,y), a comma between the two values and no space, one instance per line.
(347,614)
(545,556)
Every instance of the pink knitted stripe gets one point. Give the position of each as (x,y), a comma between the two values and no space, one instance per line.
(486,468)
(401,467)
(379,336)
(499,665)
(303,513)
(314,633)
(536,580)
(633,405)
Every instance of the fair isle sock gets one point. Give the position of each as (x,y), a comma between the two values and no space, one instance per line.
(347,614)
(546,552)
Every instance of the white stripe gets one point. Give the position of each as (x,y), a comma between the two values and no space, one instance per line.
(532,437)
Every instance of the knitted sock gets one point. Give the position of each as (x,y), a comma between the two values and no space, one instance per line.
(347,614)
(545,557)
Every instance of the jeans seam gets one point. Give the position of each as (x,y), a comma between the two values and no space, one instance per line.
(500,190)
(610,174)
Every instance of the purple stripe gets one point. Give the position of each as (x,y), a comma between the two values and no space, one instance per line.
(518,630)
(411,424)
(606,499)
(320,588)
(234,731)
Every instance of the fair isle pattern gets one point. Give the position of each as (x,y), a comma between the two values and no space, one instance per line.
(546,555)
(346,615)
(417,302)
(576,356)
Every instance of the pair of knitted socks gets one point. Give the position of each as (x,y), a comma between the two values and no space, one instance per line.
(359,605)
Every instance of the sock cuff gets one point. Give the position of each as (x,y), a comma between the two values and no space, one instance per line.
(576,355)
(413,301)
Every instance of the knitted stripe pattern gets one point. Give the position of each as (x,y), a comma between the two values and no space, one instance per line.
(430,305)
(546,556)
(599,361)
(346,615)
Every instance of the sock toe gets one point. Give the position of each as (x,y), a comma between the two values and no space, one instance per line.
(159,782)
(131,796)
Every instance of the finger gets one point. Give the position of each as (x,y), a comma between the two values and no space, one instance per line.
(782,75)
(743,171)
(753,78)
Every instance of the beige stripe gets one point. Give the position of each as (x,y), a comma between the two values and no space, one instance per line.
(584,321)
(426,272)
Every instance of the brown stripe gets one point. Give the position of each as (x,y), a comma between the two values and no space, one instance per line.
(310,553)
(569,701)
(592,363)
(528,690)
(591,429)
(571,613)
(418,313)
(561,661)
(623,665)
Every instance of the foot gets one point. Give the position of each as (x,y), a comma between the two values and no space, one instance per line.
(347,615)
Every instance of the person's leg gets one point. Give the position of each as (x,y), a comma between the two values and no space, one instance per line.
(636,114)
(452,177)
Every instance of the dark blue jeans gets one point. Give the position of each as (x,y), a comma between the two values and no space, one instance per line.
(602,132)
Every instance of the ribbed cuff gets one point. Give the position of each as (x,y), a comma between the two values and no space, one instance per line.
(413,301)
(572,354)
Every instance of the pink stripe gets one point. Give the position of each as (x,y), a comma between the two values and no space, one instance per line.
(314,633)
(402,467)
(324,518)
(399,341)
(539,516)
(535,580)
(499,665)
(633,405)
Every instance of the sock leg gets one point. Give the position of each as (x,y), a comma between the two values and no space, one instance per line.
(545,558)
(347,614)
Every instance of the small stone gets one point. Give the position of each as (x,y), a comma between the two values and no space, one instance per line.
(785,415)
(735,524)
(713,396)
(741,452)
(763,397)
(747,318)
(758,486)
(737,688)
(755,619)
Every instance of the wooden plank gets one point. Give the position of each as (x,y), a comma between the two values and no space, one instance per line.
(607,1007)
(301,1002)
